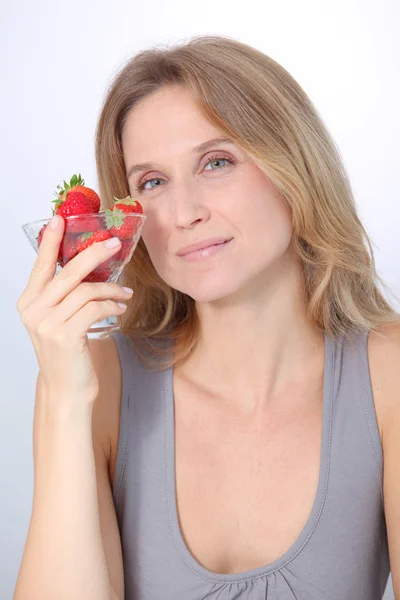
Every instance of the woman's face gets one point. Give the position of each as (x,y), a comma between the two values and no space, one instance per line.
(190,196)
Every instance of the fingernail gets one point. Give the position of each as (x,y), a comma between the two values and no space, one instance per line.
(112,242)
(128,290)
(54,222)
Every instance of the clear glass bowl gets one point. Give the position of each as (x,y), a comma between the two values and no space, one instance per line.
(77,232)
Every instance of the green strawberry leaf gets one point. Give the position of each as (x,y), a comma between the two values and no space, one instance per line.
(114,218)
(85,236)
(127,201)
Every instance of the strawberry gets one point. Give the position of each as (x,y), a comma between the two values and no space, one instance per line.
(87,239)
(120,224)
(102,272)
(78,185)
(128,204)
(116,221)
(122,254)
(67,250)
(83,224)
(75,203)
(91,195)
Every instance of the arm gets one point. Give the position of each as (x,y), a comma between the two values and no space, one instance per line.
(386,356)
(392,497)
(72,548)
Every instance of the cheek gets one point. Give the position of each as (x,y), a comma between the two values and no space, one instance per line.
(266,225)
(265,213)
(154,238)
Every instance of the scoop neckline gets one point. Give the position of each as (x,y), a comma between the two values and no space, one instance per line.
(319,498)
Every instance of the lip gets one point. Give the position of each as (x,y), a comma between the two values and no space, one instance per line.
(201,245)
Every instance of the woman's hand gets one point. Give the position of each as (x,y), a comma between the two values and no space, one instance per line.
(58,312)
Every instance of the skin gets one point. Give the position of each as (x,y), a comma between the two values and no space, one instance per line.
(250,291)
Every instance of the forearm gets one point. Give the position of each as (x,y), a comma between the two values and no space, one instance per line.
(64,556)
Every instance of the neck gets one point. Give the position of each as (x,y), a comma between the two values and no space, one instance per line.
(255,349)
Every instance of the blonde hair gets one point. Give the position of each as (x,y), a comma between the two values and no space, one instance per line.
(257,104)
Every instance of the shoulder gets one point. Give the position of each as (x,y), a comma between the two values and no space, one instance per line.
(385,374)
(384,365)
(107,407)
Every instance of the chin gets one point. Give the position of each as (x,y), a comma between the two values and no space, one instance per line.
(208,291)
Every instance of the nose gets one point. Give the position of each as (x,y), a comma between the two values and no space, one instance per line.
(188,206)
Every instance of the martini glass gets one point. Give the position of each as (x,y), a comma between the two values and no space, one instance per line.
(77,230)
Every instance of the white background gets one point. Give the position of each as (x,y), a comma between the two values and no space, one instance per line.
(57,59)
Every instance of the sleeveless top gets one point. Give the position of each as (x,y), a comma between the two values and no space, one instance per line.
(341,552)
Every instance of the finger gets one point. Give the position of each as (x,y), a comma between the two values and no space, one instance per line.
(76,269)
(93,311)
(45,264)
(84,293)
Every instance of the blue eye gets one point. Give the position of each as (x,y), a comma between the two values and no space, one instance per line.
(140,187)
(217,160)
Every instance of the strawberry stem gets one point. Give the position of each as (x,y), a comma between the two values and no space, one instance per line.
(74,181)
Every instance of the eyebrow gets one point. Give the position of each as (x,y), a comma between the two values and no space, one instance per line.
(196,150)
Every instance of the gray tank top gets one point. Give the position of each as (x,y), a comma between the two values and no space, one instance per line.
(341,552)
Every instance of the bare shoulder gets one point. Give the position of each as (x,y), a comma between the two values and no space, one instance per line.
(107,407)
(385,379)
(384,364)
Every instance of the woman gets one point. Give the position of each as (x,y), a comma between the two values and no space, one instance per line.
(228,442)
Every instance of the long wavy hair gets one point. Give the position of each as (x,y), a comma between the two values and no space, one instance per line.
(257,104)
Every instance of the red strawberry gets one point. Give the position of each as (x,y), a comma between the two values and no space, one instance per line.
(87,239)
(121,224)
(83,224)
(67,249)
(91,195)
(102,272)
(122,254)
(78,185)
(75,203)
(128,204)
